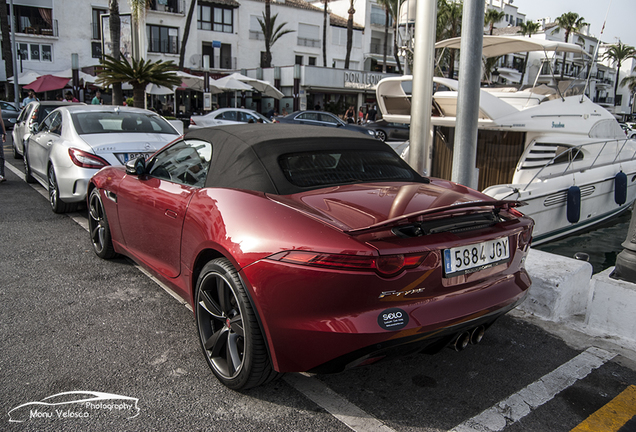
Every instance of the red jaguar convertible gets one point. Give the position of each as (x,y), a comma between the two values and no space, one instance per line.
(311,249)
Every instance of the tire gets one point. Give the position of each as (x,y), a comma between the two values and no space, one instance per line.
(381,135)
(98,227)
(16,155)
(57,205)
(228,328)
(27,170)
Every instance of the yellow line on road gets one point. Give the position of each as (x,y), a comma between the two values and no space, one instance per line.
(612,416)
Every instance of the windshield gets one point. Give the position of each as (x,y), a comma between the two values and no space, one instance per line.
(99,122)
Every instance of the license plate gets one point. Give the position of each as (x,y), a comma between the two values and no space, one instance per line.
(125,157)
(478,256)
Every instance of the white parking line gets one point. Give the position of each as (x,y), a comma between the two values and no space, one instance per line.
(36,186)
(339,407)
(536,394)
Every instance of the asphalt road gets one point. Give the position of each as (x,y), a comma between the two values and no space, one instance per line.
(73,322)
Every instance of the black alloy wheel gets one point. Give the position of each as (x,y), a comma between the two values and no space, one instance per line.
(98,226)
(27,169)
(57,205)
(229,332)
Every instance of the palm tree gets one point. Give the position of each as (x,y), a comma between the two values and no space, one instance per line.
(619,53)
(528,28)
(387,20)
(324,33)
(492,17)
(271,32)
(570,22)
(630,82)
(450,18)
(139,74)
(186,33)
(138,13)
(394,10)
(351,11)
(114,24)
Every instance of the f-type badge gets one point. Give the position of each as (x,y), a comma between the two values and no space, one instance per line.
(393,319)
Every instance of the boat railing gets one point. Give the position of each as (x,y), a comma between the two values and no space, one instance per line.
(622,155)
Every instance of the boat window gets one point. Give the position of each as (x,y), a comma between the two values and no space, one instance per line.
(567,154)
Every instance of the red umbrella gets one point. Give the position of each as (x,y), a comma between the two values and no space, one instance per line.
(47,82)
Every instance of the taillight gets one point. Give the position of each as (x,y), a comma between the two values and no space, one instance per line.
(515,212)
(192,122)
(387,265)
(525,237)
(86,160)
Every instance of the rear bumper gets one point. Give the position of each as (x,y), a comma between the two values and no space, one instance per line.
(326,321)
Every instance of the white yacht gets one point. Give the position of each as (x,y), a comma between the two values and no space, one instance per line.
(562,154)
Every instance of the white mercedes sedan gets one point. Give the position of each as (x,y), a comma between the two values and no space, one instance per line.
(74,142)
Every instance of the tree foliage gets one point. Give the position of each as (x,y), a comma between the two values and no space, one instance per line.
(619,53)
(528,28)
(138,73)
(570,22)
(449,25)
(492,17)
(271,32)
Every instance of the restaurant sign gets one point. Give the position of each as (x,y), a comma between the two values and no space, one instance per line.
(361,80)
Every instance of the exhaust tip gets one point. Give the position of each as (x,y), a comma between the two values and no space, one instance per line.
(477,334)
(461,342)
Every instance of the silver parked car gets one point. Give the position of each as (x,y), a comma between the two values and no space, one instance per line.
(29,119)
(227,116)
(74,142)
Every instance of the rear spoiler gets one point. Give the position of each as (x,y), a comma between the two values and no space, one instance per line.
(499,204)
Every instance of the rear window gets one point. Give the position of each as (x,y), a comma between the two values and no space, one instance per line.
(120,122)
(312,169)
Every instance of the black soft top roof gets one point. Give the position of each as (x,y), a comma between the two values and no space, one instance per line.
(246,156)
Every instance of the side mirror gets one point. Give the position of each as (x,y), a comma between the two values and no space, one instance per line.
(136,166)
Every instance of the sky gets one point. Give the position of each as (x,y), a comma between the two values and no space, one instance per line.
(621,19)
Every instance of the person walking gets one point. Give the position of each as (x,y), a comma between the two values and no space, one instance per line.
(30,98)
(97,99)
(349,115)
(4,139)
(371,114)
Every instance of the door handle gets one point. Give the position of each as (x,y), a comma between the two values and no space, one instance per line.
(171,214)
(49,143)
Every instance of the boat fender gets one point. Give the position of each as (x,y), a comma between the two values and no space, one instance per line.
(574,204)
(620,188)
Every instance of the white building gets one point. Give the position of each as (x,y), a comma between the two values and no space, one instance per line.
(512,16)
(49,31)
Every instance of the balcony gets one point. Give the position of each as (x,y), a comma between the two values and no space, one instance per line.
(379,19)
(257,35)
(379,49)
(170,6)
(38,28)
(307,42)
(606,100)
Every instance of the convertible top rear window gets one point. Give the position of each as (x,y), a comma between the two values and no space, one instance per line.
(322,168)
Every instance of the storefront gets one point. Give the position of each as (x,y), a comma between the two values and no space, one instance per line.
(329,89)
